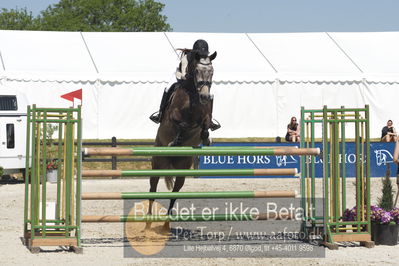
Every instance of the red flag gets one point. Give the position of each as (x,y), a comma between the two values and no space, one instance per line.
(71,95)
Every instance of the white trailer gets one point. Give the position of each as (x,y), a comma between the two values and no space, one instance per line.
(12,131)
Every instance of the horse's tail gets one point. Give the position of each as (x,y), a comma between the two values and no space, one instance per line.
(170,182)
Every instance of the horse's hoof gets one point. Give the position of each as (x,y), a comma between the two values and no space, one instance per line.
(207,142)
(147,226)
(166,226)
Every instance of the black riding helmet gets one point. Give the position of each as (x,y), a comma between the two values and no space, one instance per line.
(201,47)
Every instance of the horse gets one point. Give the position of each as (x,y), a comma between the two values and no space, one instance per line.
(185,121)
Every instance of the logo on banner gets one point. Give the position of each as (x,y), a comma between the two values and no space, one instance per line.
(283,160)
(382,157)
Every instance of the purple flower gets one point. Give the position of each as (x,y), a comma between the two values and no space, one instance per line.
(377,214)
(349,214)
(395,215)
(375,208)
(386,218)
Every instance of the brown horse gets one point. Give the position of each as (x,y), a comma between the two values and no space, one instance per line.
(185,122)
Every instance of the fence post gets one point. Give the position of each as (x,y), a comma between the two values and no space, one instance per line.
(113,144)
(114,161)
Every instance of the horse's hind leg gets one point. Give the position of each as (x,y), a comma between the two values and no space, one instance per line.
(153,188)
(179,182)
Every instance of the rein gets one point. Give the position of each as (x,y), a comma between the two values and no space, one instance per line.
(203,83)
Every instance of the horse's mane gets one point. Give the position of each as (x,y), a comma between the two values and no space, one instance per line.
(192,64)
(184,50)
(188,84)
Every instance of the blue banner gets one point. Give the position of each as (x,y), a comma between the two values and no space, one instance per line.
(381,153)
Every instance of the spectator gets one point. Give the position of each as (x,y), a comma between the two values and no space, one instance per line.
(293,133)
(388,133)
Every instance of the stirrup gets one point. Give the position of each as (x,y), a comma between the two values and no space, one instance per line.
(214,125)
(156,117)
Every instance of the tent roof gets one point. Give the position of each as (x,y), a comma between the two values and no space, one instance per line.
(151,56)
(304,53)
(237,57)
(44,53)
(142,55)
(372,52)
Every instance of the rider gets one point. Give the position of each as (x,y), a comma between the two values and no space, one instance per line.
(200,47)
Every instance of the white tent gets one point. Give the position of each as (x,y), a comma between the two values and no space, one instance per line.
(260,80)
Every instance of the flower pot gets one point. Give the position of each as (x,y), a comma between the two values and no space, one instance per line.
(52,175)
(384,234)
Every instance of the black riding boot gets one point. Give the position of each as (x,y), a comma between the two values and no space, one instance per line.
(157,116)
(214,123)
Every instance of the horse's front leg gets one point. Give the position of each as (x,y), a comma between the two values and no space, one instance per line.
(179,124)
(205,137)
(205,132)
(177,140)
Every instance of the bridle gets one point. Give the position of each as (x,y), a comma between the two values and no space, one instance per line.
(200,84)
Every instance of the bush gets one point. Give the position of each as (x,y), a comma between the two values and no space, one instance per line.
(386,200)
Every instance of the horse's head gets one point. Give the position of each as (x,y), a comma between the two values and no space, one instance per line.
(203,77)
